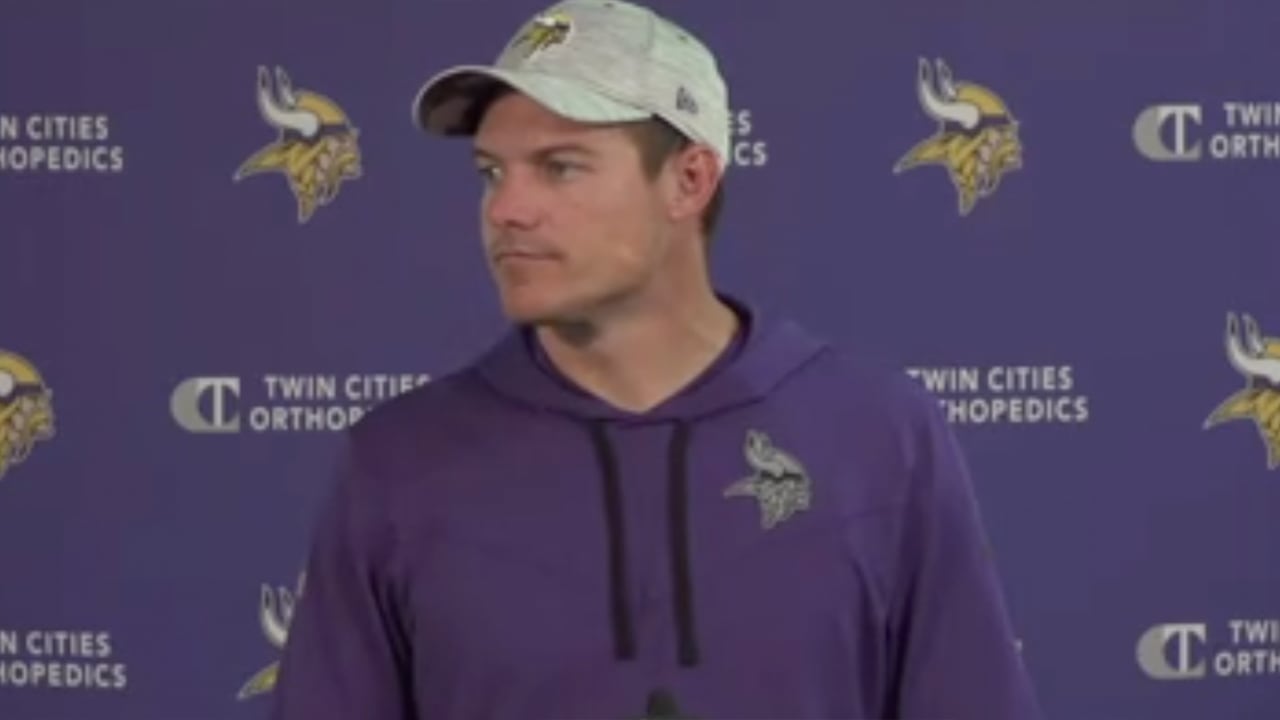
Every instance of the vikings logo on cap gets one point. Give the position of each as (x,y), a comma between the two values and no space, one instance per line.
(26,410)
(1257,359)
(545,31)
(977,138)
(316,148)
(779,482)
(275,612)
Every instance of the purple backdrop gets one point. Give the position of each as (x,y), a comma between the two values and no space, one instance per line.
(191,344)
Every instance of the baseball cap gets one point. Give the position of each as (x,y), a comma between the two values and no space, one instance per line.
(592,61)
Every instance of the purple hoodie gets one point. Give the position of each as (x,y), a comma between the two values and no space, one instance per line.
(792,536)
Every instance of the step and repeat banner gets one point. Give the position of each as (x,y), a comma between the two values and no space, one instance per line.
(1063,218)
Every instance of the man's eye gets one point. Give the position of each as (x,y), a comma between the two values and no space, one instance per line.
(559,168)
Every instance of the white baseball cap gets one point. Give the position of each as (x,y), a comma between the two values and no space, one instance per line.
(592,61)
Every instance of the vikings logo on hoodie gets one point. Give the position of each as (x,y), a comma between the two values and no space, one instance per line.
(779,483)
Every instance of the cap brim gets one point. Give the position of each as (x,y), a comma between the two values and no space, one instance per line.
(452,102)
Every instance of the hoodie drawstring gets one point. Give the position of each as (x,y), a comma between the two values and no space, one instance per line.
(678,538)
(624,643)
(678,524)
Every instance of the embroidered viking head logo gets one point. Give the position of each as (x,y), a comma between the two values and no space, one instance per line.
(779,483)
(543,32)
(977,137)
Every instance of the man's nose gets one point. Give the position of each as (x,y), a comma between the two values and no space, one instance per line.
(512,201)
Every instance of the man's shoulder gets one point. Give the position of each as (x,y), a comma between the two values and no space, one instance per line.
(869,384)
(870,417)
(427,410)
(830,372)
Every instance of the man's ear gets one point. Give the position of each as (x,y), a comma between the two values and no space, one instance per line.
(694,174)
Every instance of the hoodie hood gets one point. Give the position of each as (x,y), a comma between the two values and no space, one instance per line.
(762,355)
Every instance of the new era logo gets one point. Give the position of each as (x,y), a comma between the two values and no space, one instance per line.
(685,101)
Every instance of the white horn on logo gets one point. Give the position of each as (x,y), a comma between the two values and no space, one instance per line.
(945,107)
(1252,337)
(284,88)
(285,116)
(1249,361)
(946,86)
(274,625)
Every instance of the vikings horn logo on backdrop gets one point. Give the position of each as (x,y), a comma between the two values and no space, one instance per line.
(778,482)
(26,410)
(317,147)
(275,612)
(977,138)
(1257,359)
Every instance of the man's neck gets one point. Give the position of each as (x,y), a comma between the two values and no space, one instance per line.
(638,359)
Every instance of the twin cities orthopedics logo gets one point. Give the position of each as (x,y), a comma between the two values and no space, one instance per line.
(1006,394)
(283,403)
(316,146)
(1190,651)
(60,660)
(976,141)
(1192,131)
(45,142)
(1256,358)
(26,410)
(748,148)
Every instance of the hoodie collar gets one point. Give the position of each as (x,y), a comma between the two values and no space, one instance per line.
(762,354)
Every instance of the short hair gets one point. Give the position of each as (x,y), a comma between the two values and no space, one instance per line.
(657,140)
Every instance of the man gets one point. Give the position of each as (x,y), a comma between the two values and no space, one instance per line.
(649,498)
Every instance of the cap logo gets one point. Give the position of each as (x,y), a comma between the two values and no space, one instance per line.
(685,101)
(545,31)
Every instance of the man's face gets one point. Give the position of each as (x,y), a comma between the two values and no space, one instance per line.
(570,221)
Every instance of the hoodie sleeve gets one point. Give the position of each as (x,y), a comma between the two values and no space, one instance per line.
(954,651)
(346,655)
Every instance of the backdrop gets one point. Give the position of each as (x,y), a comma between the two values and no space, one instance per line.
(1060,216)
